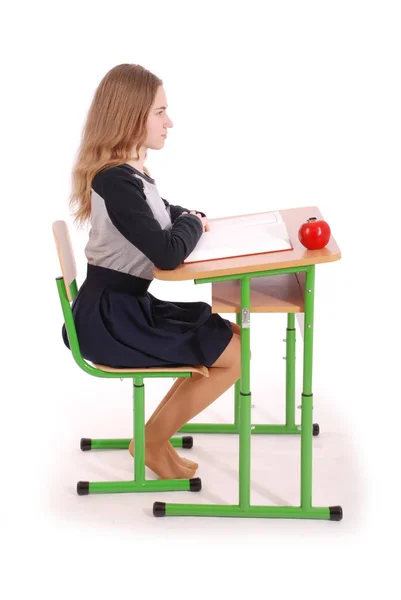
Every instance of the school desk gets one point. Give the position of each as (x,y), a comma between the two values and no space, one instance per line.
(275,282)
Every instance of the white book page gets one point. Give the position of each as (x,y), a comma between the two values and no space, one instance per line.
(273,217)
(239,236)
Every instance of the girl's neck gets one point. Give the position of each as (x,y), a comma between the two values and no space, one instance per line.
(137,165)
(139,162)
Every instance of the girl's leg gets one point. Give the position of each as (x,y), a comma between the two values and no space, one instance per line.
(190,464)
(236,330)
(181,460)
(189,399)
(166,398)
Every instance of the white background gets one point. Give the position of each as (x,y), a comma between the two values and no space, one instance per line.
(275,105)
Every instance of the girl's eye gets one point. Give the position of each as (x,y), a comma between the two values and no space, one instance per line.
(159,113)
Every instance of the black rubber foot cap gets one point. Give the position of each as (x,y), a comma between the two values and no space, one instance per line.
(86,444)
(83,488)
(187,441)
(195,484)
(336,513)
(159,509)
(316,429)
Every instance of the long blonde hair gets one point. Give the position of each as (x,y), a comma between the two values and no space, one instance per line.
(116,121)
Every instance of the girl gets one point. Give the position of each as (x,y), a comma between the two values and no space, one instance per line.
(132,230)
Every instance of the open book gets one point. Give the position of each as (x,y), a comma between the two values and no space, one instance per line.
(238,236)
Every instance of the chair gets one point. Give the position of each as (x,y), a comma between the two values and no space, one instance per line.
(68,289)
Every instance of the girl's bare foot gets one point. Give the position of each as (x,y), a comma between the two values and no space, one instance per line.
(162,462)
(184,462)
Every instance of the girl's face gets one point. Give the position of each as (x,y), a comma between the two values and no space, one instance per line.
(158,121)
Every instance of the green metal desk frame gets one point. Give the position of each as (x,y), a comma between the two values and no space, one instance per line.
(242,421)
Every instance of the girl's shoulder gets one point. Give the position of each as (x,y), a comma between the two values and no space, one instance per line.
(114,171)
(116,177)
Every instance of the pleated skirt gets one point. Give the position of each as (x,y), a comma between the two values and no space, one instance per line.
(121,324)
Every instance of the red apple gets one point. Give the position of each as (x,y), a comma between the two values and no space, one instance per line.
(314,234)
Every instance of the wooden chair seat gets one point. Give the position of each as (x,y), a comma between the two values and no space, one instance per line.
(269,294)
(191,369)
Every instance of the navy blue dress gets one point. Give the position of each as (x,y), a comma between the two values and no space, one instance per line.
(118,321)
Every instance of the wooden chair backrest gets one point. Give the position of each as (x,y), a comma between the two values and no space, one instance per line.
(65,255)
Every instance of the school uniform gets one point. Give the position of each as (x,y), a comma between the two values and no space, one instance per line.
(118,321)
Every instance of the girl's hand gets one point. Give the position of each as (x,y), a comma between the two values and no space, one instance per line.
(203,220)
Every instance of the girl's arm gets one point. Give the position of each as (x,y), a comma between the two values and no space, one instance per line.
(176,210)
(129,212)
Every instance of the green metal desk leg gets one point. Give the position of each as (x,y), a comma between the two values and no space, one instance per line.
(237,385)
(290,374)
(334,512)
(307,396)
(245,399)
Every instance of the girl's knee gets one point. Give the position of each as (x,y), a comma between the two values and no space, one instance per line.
(231,356)
(236,328)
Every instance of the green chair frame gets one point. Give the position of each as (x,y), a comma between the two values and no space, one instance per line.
(67,288)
